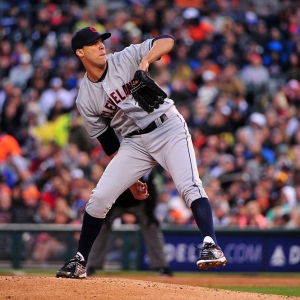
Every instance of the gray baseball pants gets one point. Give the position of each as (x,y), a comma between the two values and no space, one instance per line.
(169,145)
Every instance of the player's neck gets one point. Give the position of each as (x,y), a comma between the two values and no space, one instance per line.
(96,74)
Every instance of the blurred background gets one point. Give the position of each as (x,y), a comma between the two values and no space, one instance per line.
(233,74)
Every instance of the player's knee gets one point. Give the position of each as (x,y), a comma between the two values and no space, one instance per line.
(99,204)
(96,211)
(192,193)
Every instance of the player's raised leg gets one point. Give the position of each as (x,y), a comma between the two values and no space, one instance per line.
(186,178)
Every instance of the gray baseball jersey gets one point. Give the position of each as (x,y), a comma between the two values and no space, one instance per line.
(111,98)
(169,144)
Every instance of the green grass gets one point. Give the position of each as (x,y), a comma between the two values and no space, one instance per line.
(278,290)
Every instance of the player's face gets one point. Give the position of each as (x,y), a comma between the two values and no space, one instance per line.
(95,52)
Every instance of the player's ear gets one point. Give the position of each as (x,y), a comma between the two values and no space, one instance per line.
(79,52)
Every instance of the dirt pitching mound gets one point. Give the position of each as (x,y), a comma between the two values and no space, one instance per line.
(115,288)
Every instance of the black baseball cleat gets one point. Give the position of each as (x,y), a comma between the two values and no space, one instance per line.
(211,257)
(75,268)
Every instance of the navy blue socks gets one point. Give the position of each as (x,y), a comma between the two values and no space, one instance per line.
(90,229)
(203,216)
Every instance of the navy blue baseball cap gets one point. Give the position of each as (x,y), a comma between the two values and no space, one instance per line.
(86,36)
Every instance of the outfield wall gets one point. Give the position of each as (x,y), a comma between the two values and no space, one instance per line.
(247,250)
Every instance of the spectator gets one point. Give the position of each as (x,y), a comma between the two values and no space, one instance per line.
(229,83)
(280,207)
(256,78)
(13,113)
(15,168)
(215,18)
(56,92)
(244,194)
(21,74)
(6,217)
(6,58)
(208,92)
(56,188)
(262,34)
(197,27)
(293,71)
(9,145)
(224,169)
(6,208)
(86,18)
(253,217)
(221,209)
(44,214)
(35,115)
(84,164)
(180,91)
(294,219)
(78,135)
(262,195)
(25,212)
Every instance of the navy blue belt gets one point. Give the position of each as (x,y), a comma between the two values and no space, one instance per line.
(153,125)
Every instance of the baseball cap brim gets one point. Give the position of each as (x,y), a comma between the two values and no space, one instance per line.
(102,36)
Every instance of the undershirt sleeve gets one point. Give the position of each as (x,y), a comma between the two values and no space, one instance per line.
(164,36)
(109,141)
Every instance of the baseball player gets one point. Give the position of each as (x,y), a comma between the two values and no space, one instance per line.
(144,213)
(108,108)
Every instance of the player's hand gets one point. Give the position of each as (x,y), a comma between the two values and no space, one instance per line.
(139,190)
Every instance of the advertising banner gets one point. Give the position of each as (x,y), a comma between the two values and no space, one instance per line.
(245,252)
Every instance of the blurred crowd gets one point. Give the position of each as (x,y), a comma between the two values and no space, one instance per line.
(234,74)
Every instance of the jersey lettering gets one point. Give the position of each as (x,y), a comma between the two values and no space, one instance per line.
(110,105)
(122,97)
(110,109)
(114,97)
(129,85)
(107,114)
(125,89)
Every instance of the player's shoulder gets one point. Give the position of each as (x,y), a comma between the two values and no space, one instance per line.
(131,49)
(82,89)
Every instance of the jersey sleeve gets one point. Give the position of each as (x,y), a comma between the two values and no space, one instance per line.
(94,124)
(136,52)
